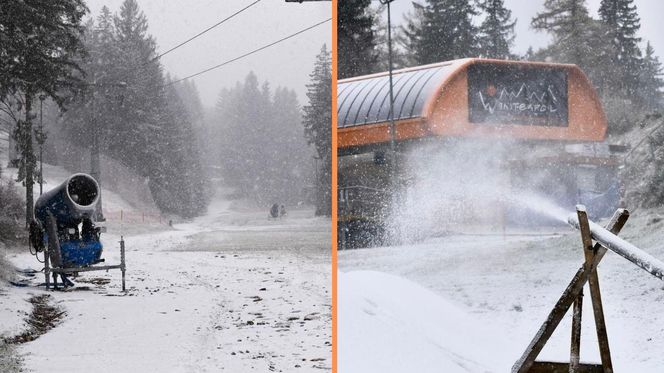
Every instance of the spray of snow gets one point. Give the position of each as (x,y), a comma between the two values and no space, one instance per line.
(537,203)
(465,184)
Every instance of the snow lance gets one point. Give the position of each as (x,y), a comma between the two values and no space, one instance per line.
(64,228)
(621,247)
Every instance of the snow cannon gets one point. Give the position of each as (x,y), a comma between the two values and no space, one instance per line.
(70,202)
(64,222)
(64,228)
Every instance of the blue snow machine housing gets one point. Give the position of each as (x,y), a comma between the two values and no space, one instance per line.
(64,220)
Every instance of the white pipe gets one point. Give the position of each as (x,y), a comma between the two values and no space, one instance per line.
(623,248)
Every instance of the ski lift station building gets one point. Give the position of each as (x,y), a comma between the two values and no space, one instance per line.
(549,114)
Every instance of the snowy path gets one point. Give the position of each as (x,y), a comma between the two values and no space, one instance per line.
(497,291)
(230,291)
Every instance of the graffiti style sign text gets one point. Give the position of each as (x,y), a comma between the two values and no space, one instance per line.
(510,94)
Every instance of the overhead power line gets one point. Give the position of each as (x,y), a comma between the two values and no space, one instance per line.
(250,53)
(206,30)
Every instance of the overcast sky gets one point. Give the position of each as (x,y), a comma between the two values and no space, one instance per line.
(290,63)
(287,64)
(650,11)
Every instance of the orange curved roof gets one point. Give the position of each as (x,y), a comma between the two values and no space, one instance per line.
(471,98)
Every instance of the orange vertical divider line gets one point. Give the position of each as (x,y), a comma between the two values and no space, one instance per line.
(335,318)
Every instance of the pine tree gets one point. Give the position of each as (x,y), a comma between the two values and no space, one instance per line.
(357,54)
(622,24)
(567,20)
(496,33)
(409,34)
(318,127)
(295,155)
(181,187)
(577,39)
(529,55)
(188,93)
(651,80)
(39,43)
(224,122)
(96,104)
(144,98)
(143,121)
(261,150)
(445,32)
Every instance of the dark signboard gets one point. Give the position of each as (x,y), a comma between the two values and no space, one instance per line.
(511,94)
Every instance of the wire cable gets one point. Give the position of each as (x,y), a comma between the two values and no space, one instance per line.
(204,31)
(250,53)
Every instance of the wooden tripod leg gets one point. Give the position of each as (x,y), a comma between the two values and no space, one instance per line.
(575,348)
(586,239)
(595,295)
(570,293)
(600,325)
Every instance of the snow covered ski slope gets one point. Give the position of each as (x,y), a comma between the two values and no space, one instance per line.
(472,303)
(230,291)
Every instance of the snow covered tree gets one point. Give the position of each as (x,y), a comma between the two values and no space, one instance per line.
(39,43)
(295,157)
(445,31)
(318,127)
(144,97)
(181,186)
(142,119)
(97,102)
(622,23)
(496,33)
(651,80)
(188,93)
(357,54)
(262,153)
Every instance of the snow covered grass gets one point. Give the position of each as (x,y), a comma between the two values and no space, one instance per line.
(230,291)
(496,291)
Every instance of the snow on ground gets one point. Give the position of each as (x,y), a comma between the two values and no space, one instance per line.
(230,291)
(472,303)
(407,341)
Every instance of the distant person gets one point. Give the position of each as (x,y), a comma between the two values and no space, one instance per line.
(282,211)
(274,211)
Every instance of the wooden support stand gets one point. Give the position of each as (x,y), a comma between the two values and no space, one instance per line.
(573,295)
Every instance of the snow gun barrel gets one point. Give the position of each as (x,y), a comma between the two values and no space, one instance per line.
(69,202)
(621,247)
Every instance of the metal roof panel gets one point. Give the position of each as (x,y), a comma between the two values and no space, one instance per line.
(366,101)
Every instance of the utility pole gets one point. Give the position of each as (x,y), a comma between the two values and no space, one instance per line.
(394,170)
(393,130)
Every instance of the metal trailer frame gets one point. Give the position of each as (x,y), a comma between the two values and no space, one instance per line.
(53,248)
